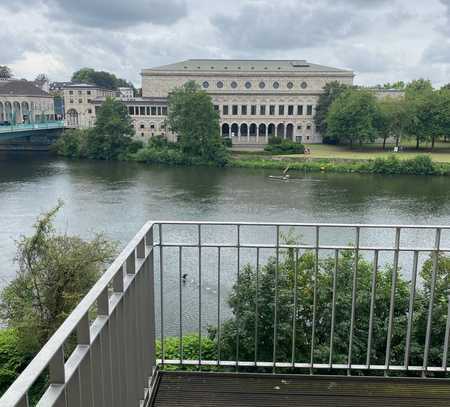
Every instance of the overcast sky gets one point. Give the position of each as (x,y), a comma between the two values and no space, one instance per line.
(381,40)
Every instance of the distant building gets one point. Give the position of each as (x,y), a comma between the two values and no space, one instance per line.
(126,92)
(256,99)
(22,101)
(78,106)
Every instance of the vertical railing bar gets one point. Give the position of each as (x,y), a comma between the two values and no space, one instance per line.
(447,334)
(200,296)
(23,401)
(56,368)
(412,297)
(392,300)
(373,291)
(103,303)
(180,268)
(316,273)
(353,310)
(150,298)
(275,317)
(256,305)
(333,304)
(118,281)
(161,288)
(218,304)
(432,293)
(238,294)
(294,313)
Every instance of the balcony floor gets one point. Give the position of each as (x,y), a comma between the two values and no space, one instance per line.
(185,389)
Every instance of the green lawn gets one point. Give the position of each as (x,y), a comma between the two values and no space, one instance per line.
(441,152)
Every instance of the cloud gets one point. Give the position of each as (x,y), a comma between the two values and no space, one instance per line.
(288,25)
(109,14)
(437,53)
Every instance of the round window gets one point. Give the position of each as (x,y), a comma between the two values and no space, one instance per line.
(276,85)
(290,85)
(248,85)
(304,85)
(234,85)
(206,84)
(262,85)
(220,84)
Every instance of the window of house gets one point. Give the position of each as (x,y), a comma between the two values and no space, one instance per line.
(262,85)
(299,127)
(290,85)
(309,110)
(159,111)
(234,84)
(235,110)
(262,110)
(248,84)
(225,110)
(244,110)
(80,92)
(281,110)
(253,110)
(142,134)
(290,110)
(276,85)
(308,127)
(153,110)
(216,108)
(164,110)
(304,85)
(90,111)
(299,110)
(136,110)
(142,126)
(220,84)
(71,100)
(206,84)
(88,92)
(70,92)
(148,110)
(152,126)
(80,100)
(307,137)
(142,110)
(272,110)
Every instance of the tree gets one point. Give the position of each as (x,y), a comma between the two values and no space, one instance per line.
(100,78)
(111,137)
(195,121)
(55,272)
(352,117)
(252,298)
(331,91)
(41,79)
(393,119)
(5,72)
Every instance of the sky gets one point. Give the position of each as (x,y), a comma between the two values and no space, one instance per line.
(381,40)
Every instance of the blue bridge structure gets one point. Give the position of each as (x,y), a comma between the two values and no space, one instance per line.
(30,135)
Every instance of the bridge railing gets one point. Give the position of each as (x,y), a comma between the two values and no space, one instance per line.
(52,124)
(175,278)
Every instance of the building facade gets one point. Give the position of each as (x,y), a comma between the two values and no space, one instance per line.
(78,106)
(22,101)
(256,99)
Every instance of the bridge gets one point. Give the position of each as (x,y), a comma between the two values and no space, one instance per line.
(118,354)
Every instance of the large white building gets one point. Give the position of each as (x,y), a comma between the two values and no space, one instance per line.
(256,98)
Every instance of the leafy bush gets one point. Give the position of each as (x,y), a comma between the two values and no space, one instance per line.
(71,144)
(419,165)
(284,147)
(275,140)
(227,142)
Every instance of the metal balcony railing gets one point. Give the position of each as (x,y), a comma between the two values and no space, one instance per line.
(174,279)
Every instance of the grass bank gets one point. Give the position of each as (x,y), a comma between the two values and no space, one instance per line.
(389,165)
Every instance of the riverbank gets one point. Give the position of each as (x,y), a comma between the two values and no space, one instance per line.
(390,165)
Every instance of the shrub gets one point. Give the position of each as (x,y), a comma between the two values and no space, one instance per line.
(419,165)
(275,140)
(285,147)
(227,142)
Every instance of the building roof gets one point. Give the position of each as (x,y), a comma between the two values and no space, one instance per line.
(246,65)
(21,88)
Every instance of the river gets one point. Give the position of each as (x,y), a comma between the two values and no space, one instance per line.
(118,197)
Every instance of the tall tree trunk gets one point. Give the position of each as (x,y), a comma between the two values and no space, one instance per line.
(417,142)
(433,139)
(384,142)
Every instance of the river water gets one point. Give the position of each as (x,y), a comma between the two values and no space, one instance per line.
(117,198)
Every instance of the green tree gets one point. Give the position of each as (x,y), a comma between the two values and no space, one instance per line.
(352,117)
(111,137)
(5,72)
(100,78)
(253,299)
(54,273)
(195,121)
(331,91)
(393,119)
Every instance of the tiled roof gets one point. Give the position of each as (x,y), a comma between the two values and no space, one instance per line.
(239,65)
(21,88)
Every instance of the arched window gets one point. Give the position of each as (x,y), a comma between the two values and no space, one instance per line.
(234,130)
(290,131)
(17,113)
(225,130)
(2,112)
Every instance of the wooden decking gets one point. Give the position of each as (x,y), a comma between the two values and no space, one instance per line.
(188,389)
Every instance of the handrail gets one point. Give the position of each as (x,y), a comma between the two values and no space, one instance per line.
(14,395)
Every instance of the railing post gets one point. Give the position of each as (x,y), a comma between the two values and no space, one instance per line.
(149,308)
